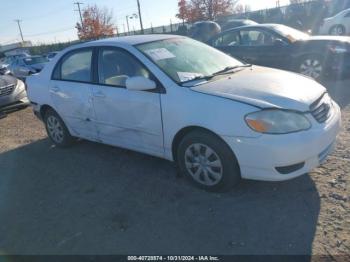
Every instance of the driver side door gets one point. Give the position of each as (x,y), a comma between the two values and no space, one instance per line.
(261,47)
(229,43)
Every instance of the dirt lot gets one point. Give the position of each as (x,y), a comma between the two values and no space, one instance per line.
(96,199)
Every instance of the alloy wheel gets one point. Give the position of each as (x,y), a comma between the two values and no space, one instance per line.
(55,129)
(337,30)
(203,164)
(311,67)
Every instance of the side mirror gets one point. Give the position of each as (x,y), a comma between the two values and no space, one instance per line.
(279,42)
(140,83)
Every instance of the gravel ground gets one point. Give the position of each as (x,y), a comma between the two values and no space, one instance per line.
(96,199)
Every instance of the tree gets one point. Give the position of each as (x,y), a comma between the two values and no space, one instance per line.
(194,10)
(183,13)
(97,23)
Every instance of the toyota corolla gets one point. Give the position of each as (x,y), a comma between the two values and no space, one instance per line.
(172,97)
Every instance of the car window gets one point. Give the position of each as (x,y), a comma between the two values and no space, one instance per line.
(256,38)
(228,39)
(77,66)
(116,66)
(34,60)
(184,59)
(347,14)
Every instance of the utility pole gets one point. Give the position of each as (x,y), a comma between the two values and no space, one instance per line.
(127,23)
(139,8)
(19,27)
(117,30)
(211,9)
(79,10)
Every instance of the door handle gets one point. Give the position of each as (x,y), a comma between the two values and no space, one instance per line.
(99,94)
(55,89)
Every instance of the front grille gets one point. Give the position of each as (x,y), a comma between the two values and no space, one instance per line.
(6,90)
(320,109)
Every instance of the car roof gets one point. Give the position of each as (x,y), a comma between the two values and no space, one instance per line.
(240,20)
(122,41)
(136,39)
(269,26)
(343,11)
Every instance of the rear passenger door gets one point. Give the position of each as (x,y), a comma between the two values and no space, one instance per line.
(70,91)
(130,119)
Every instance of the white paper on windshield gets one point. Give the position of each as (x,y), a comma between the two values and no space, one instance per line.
(187,76)
(160,54)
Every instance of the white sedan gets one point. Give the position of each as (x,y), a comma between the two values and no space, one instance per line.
(179,99)
(336,25)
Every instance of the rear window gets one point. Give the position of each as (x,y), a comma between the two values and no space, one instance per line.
(35,60)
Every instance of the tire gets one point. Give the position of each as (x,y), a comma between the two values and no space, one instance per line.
(218,171)
(312,66)
(57,130)
(337,30)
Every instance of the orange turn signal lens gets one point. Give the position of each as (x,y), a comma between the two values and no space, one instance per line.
(257,125)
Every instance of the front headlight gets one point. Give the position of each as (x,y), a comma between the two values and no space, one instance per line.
(277,121)
(20,85)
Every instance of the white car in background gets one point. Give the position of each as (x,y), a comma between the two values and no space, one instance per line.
(336,25)
(179,99)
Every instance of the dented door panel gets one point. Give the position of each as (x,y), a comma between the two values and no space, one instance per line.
(130,119)
(72,101)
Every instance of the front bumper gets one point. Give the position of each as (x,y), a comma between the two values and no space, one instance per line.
(16,105)
(17,99)
(259,158)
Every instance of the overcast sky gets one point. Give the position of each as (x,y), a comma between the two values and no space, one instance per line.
(48,21)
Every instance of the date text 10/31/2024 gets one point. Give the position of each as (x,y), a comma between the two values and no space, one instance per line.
(173,258)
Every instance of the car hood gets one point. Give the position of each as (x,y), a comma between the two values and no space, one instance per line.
(265,87)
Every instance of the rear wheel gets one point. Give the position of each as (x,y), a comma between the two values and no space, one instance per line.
(208,161)
(312,66)
(57,130)
(337,30)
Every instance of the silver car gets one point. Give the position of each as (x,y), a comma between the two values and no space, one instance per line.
(24,66)
(12,94)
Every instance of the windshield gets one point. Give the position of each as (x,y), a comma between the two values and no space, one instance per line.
(290,33)
(35,60)
(184,59)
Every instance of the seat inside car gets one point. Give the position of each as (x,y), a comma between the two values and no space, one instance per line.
(117,67)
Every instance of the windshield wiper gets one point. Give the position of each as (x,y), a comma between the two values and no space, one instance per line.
(226,70)
(201,77)
(229,69)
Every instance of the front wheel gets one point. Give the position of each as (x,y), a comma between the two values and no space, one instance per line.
(208,161)
(57,130)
